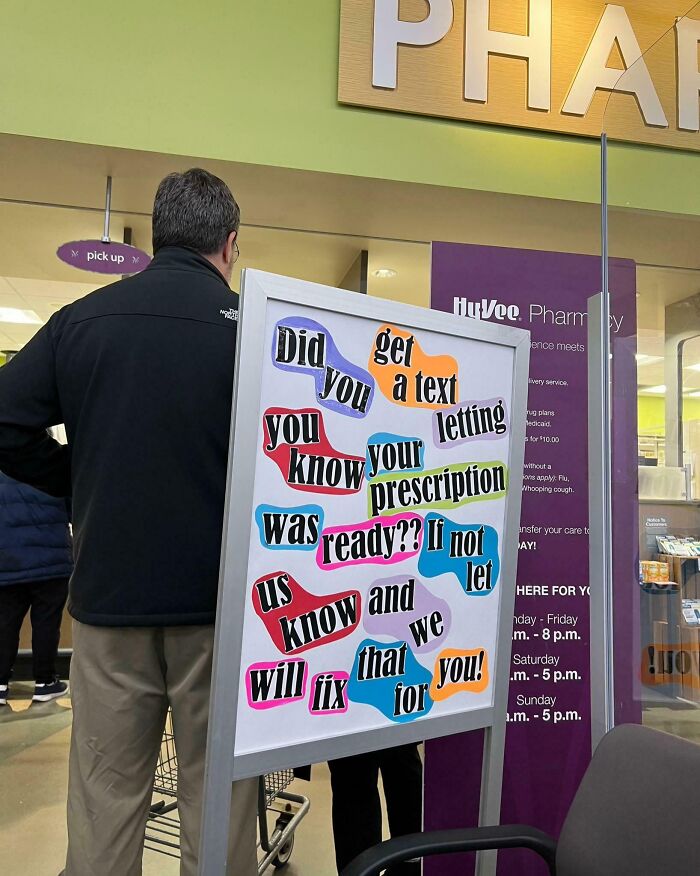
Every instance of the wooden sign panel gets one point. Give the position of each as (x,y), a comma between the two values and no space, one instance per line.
(575,66)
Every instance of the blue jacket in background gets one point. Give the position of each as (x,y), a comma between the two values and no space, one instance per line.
(35,541)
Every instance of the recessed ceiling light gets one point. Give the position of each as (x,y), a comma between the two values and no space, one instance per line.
(692,394)
(384,273)
(695,367)
(645,359)
(22,317)
(656,390)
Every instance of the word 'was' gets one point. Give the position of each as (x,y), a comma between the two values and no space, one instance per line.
(289,528)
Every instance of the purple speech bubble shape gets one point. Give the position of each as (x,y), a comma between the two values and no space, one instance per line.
(415,621)
(340,386)
(471,420)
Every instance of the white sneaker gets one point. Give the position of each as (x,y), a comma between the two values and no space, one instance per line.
(4,693)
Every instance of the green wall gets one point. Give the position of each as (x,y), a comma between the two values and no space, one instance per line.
(651,414)
(256,82)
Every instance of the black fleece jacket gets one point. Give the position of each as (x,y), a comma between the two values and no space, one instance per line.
(141,373)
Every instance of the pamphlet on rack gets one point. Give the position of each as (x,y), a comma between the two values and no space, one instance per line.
(678,547)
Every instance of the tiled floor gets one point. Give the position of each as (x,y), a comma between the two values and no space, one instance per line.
(34,744)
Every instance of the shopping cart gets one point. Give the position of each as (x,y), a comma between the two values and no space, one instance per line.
(274,800)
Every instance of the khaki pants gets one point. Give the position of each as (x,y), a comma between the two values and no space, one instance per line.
(122,681)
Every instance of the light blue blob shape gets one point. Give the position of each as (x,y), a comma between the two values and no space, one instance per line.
(432,563)
(305,510)
(381,692)
(389,438)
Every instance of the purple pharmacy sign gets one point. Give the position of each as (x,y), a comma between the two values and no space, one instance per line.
(548,739)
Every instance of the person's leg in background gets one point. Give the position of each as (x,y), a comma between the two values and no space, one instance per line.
(402,778)
(119,705)
(188,656)
(357,809)
(48,601)
(14,605)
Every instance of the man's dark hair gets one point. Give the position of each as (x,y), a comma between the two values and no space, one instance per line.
(194,209)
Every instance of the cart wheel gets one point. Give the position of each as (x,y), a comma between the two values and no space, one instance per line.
(285,853)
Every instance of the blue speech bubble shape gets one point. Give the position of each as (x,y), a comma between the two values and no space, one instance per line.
(304,346)
(388,677)
(289,529)
(387,453)
(469,551)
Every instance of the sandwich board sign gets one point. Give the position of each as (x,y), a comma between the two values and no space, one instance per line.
(370,536)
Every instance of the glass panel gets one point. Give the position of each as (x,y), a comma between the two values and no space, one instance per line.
(657,627)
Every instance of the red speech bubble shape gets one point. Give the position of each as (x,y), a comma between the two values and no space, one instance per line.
(296,441)
(297,620)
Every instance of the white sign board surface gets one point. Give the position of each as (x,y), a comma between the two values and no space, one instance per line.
(369,541)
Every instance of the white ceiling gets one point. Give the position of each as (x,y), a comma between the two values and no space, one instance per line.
(37,280)
(44,297)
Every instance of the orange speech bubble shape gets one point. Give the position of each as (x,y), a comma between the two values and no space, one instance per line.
(457,671)
(408,376)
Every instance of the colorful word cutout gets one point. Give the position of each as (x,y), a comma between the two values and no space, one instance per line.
(404,608)
(470,421)
(459,671)
(448,487)
(385,540)
(410,377)
(469,551)
(305,346)
(388,677)
(276,684)
(329,695)
(289,528)
(289,436)
(297,620)
(387,453)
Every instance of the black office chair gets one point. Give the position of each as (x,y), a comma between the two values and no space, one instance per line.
(636,813)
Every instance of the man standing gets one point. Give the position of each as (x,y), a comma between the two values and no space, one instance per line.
(141,374)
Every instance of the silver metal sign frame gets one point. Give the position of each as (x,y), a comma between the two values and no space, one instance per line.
(222,767)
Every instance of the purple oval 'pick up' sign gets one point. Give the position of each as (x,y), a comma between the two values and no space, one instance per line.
(103,258)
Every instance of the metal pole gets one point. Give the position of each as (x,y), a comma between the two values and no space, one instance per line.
(604,449)
(108,210)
